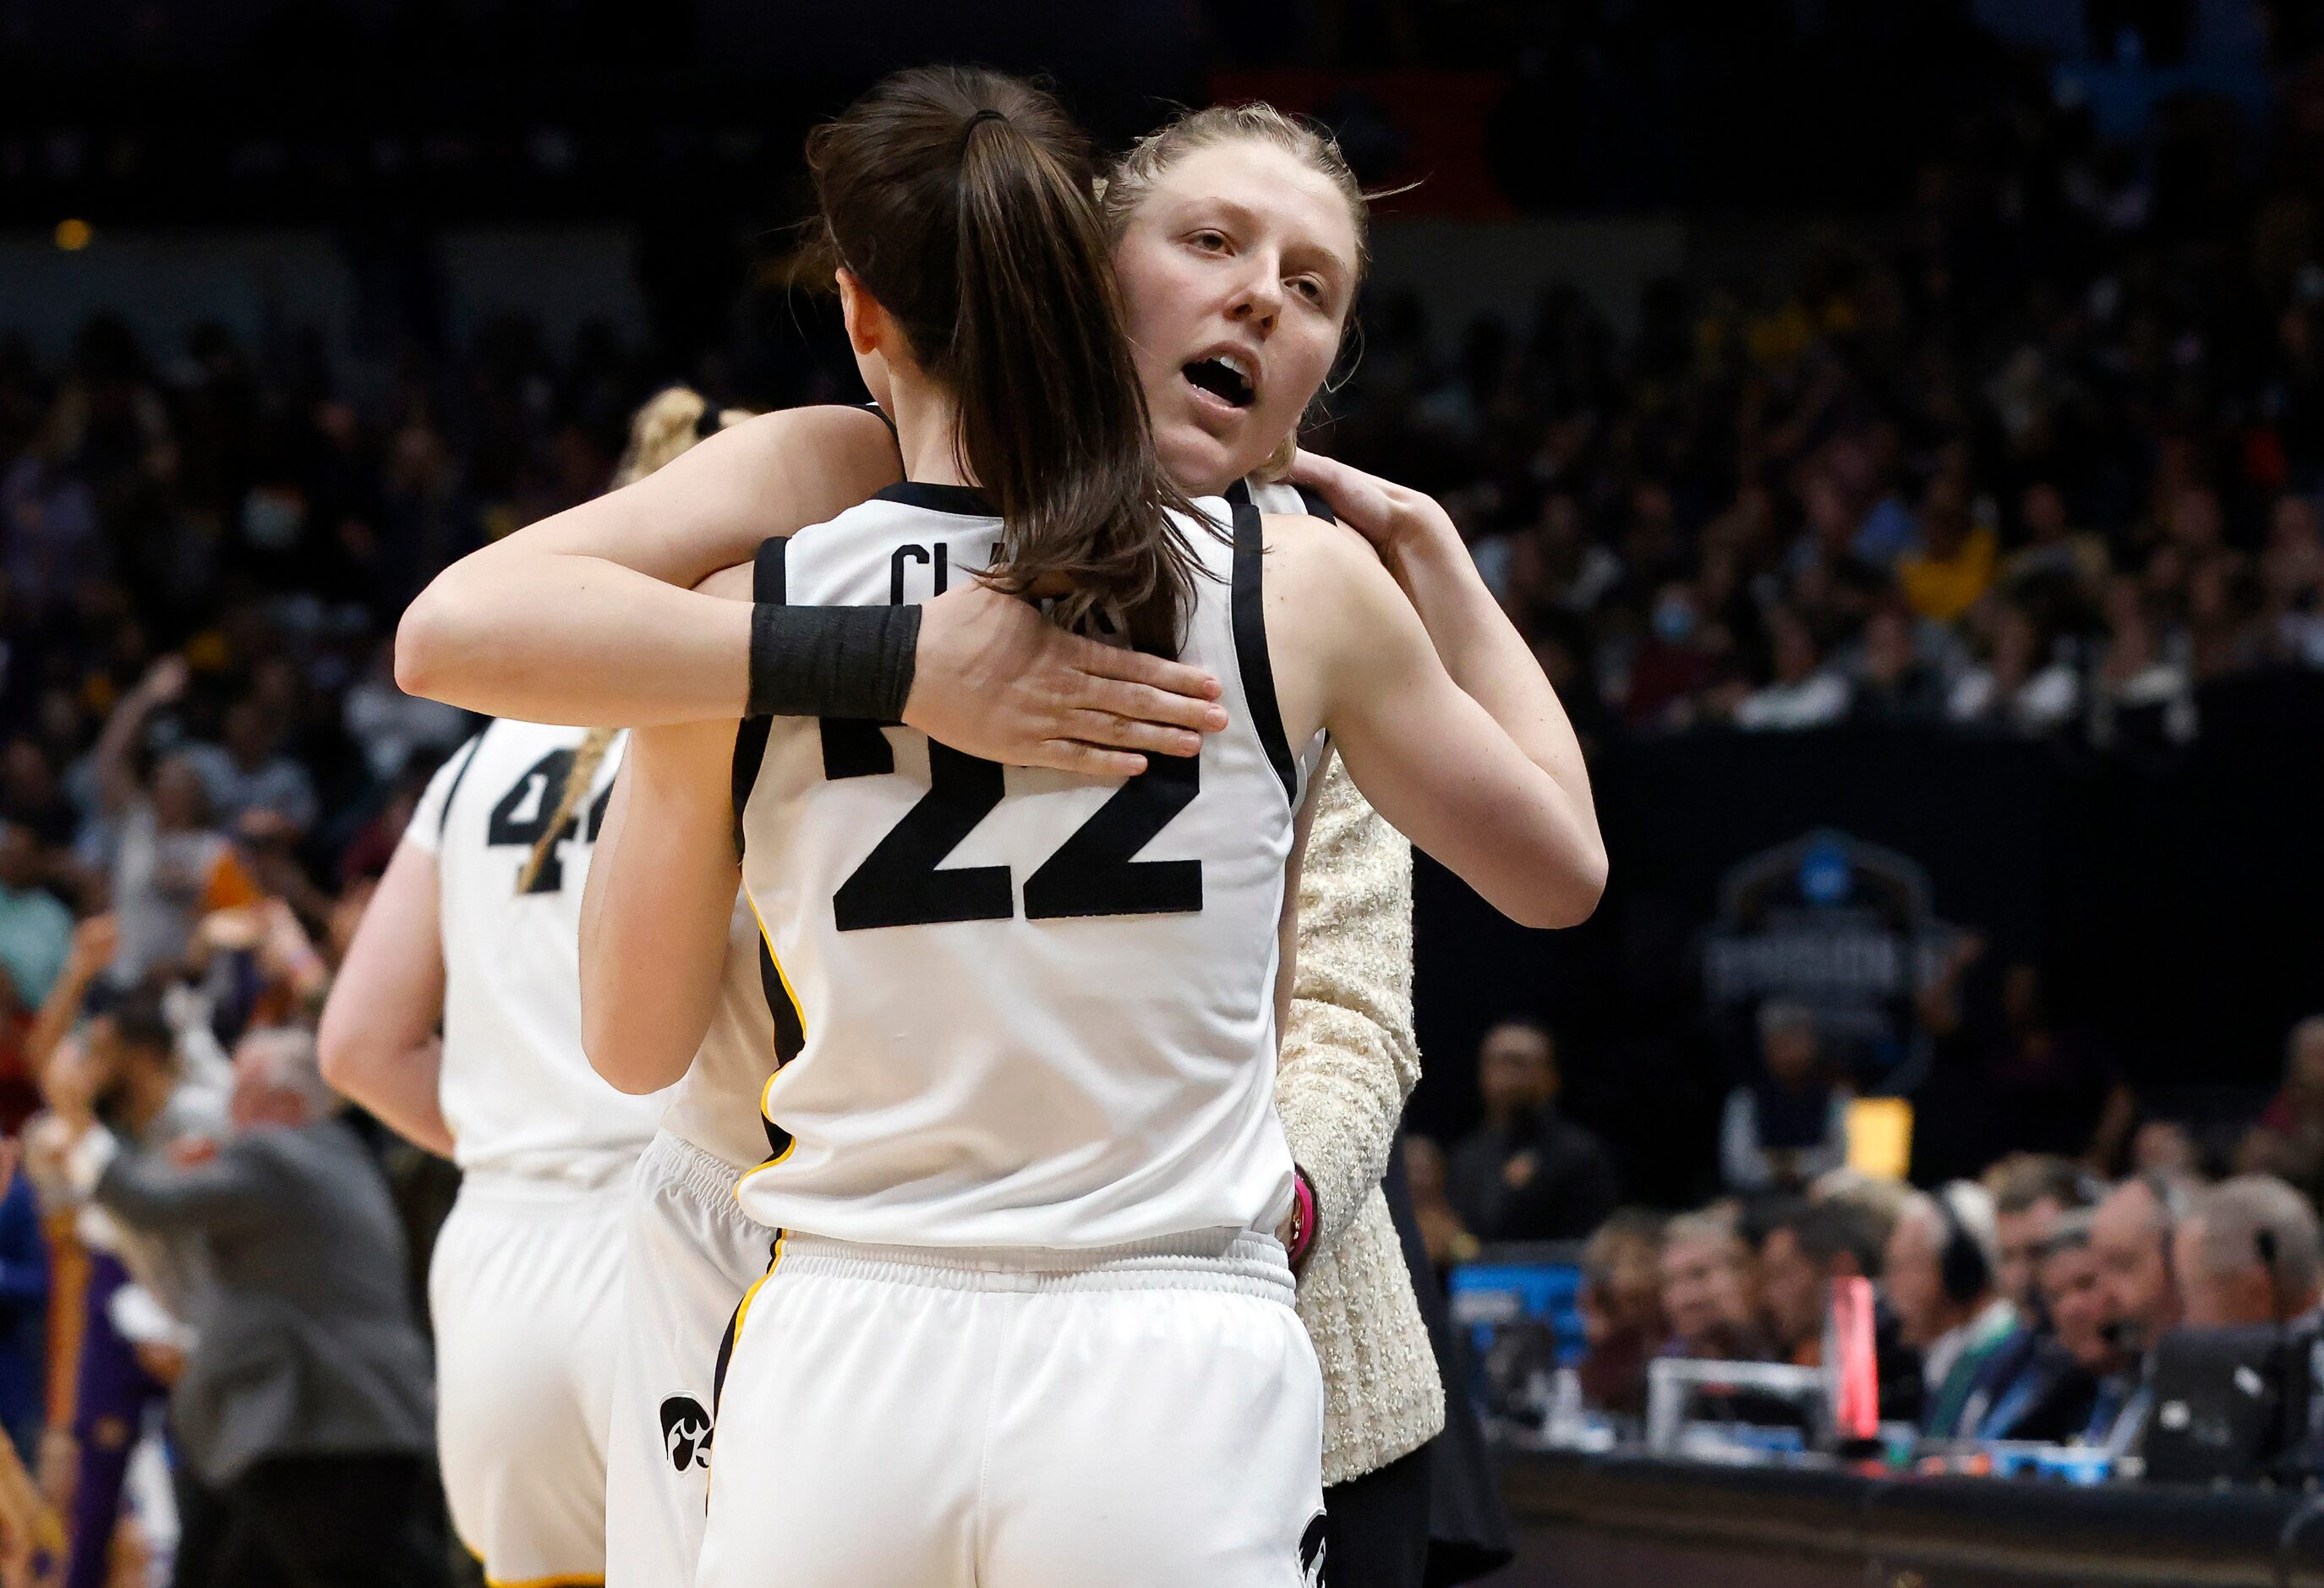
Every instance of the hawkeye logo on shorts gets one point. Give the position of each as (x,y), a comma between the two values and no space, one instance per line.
(1311,1554)
(685,1432)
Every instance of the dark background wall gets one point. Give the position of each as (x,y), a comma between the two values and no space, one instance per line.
(2176,906)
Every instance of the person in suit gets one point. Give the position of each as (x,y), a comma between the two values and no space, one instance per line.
(1806,1248)
(2131,1232)
(303,1409)
(2042,1383)
(2031,1387)
(1527,1173)
(160,1088)
(1940,1269)
(2073,1293)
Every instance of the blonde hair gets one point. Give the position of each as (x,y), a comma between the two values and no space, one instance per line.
(1132,182)
(587,757)
(668,425)
(665,426)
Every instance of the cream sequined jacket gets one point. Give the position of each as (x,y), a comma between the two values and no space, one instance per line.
(1348,1060)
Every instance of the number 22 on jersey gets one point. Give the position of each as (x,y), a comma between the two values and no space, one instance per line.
(1094,873)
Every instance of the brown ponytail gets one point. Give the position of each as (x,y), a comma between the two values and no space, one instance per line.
(962,199)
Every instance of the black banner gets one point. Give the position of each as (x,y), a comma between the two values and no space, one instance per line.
(2175,909)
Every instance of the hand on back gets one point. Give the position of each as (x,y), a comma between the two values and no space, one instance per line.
(996,679)
(993,679)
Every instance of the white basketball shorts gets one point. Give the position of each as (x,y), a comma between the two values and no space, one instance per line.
(523,1289)
(1147,1417)
(688,1255)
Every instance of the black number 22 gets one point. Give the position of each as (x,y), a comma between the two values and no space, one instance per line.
(1093,873)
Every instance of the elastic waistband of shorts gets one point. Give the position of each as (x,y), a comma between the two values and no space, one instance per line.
(520,1192)
(672,1160)
(1241,1262)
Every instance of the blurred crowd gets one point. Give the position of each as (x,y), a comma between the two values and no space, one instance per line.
(2025,1303)
(2042,458)
(205,765)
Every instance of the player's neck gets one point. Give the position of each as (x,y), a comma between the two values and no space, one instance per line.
(927,425)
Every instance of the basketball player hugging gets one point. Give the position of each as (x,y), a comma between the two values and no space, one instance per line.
(1027,1319)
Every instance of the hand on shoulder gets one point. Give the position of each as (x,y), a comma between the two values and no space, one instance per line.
(1394,519)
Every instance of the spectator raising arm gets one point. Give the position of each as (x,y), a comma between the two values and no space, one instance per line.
(93,943)
(116,780)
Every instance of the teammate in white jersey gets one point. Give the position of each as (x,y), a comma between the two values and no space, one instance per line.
(477,920)
(1026,1325)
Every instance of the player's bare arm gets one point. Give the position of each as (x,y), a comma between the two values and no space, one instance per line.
(590,616)
(587,617)
(378,1042)
(1471,781)
(653,918)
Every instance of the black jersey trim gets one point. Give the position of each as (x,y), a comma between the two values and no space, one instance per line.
(1250,649)
(965,500)
(475,743)
(790,1031)
(734,1330)
(1310,500)
(771,571)
(769,584)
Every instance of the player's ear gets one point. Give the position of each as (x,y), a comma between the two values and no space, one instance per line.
(861,313)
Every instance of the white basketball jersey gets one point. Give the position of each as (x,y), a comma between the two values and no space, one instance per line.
(714,1104)
(517,1089)
(1012,1007)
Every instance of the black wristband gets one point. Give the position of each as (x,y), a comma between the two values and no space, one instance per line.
(840,661)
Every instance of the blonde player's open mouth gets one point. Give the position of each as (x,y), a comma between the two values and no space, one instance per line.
(1225,380)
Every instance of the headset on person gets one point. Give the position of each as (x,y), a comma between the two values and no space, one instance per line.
(2171,1201)
(1964,1268)
(2173,1205)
